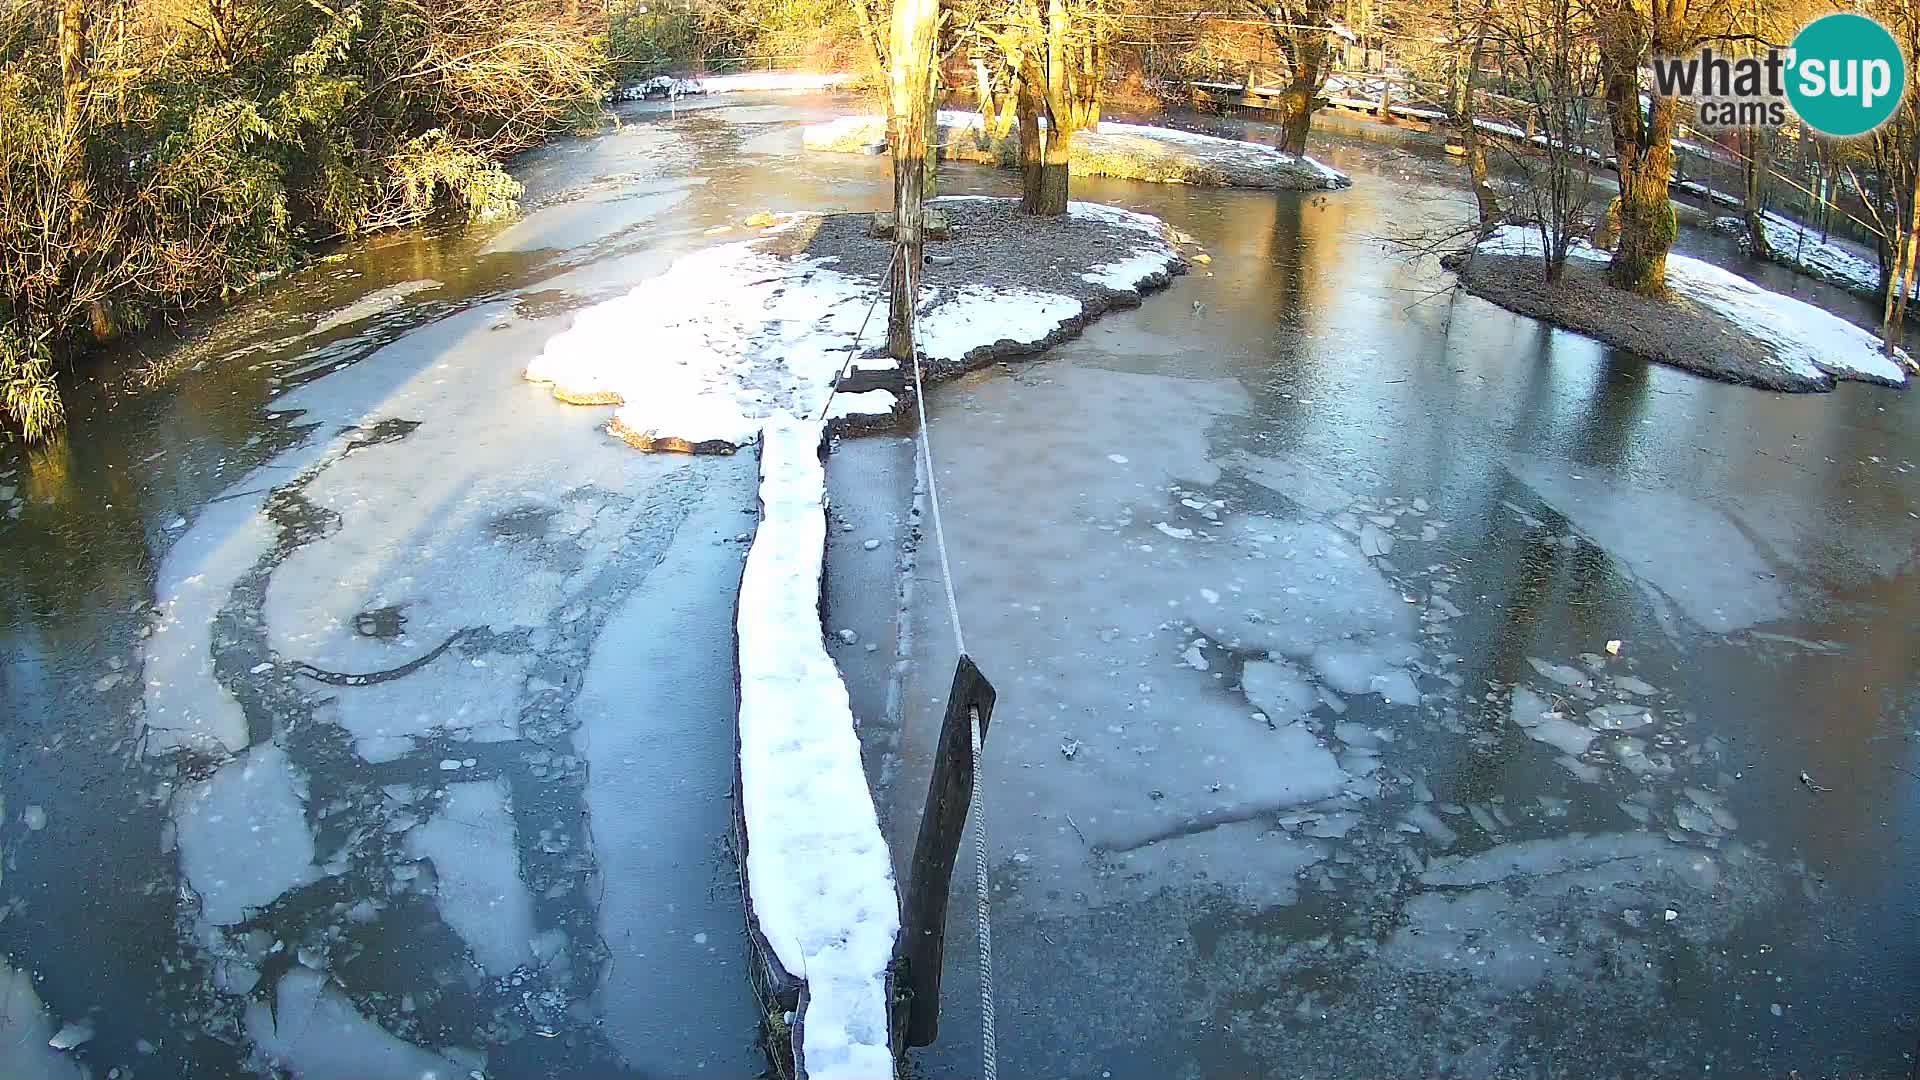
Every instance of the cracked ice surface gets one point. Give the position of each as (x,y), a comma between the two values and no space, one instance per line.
(1680,549)
(313,1031)
(1088,614)
(477,864)
(344,608)
(243,834)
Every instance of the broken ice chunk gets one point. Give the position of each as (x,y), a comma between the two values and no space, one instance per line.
(1620,717)
(1278,689)
(1560,673)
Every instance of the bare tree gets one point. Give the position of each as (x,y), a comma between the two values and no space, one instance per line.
(1301,30)
(1631,33)
(1057,56)
(1556,74)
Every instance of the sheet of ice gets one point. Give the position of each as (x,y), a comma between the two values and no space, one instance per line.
(476,862)
(1695,556)
(1806,340)
(656,714)
(185,706)
(1278,689)
(25,1027)
(1536,716)
(243,835)
(1304,483)
(817,867)
(313,1032)
(1085,632)
(374,303)
(1530,910)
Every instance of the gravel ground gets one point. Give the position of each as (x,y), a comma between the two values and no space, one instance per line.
(1673,331)
(991,244)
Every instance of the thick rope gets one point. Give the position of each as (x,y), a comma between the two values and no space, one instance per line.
(989,1050)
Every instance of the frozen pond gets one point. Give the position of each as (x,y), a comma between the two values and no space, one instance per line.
(1390,685)
(370,712)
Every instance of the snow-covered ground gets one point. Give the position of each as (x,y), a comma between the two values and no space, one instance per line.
(1801,247)
(1806,341)
(736,335)
(1130,151)
(787,82)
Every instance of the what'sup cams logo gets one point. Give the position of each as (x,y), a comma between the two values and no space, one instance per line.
(1843,76)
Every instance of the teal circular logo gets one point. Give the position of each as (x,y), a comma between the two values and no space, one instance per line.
(1846,75)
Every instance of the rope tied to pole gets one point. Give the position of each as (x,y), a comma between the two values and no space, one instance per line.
(983,925)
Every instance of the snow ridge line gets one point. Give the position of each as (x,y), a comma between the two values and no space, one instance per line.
(816,869)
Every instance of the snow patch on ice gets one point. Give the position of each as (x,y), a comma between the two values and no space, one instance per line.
(732,336)
(779,82)
(959,321)
(818,871)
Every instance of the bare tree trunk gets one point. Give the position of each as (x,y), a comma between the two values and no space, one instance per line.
(1296,104)
(1055,172)
(1645,149)
(1900,282)
(1484,196)
(1032,151)
(910,85)
(1759,144)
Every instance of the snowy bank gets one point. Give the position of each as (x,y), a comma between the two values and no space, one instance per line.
(742,333)
(817,872)
(1801,248)
(775,82)
(1128,151)
(1715,322)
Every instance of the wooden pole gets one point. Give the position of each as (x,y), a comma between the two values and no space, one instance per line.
(923,922)
(910,101)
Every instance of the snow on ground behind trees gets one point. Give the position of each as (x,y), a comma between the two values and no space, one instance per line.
(1129,151)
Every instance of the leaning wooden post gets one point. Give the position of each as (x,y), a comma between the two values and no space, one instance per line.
(923,922)
(910,100)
